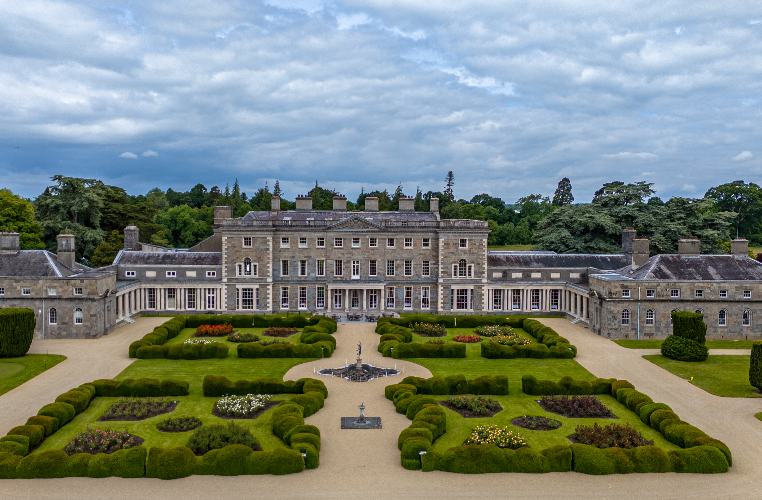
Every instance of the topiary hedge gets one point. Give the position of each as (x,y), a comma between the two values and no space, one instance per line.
(683,349)
(215,386)
(454,384)
(16,331)
(566,386)
(755,365)
(255,350)
(689,325)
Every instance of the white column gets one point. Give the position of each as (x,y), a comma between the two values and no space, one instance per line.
(329,297)
(382,299)
(346,299)
(364,293)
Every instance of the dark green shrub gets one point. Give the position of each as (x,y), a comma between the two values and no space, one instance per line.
(215,437)
(151,352)
(708,441)
(306,437)
(689,325)
(8,464)
(16,331)
(18,439)
(285,461)
(127,463)
(417,405)
(76,465)
(311,402)
(390,390)
(700,459)
(35,433)
(683,349)
(434,415)
(635,399)
(107,387)
(755,365)
(232,460)
(300,429)
(646,411)
(172,463)
(79,400)
(133,351)
(172,387)
(312,460)
(49,423)
(496,385)
(13,447)
(314,385)
(417,432)
(64,412)
(591,460)
(620,384)
(46,464)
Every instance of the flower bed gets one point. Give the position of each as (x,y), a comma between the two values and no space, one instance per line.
(130,409)
(240,338)
(198,342)
(499,436)
(182,424)
(214,437)
(274,331)
(535,423)
(471,407)
(576,406)
(248,406)
(467,339)
(214,330)
(429,330)
(609,436)
(492,330)
(510,339)
(99,441)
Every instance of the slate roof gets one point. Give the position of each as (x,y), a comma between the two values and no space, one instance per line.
(37,263)
(540,260)
(134,258)
(321,215)
(697,268)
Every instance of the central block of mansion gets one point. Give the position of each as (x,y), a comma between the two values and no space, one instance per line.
(372,262)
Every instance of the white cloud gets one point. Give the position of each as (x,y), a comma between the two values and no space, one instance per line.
(413,35)
(627,154)
(679,30)
(150,153)
(127,154)
(755,21)
(689,188)
(647,174)
(743,156)
(348,21)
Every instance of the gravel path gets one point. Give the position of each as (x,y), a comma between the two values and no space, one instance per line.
(366,463)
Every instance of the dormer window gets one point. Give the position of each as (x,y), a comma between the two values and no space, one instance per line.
(171,274)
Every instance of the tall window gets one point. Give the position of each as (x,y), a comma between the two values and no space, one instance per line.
(190,298)
(338,269)
(171,298)
(354,299)
(321,268)
(320,298)
(284,268)
(497,300)
(516,300)
(462,268)
(337,299)
(625,317)
(390,242)
(211,299)
(747,318)
(247,298)
(52,316)
(426,243)
(302,297)
(78,316)
(372,271)
(650,317)
(284,297)
(151,298)
(355,269)
(425,297)
(390,298)
(247,267)
(723,317)
(302,268)
(535,299)
(426,268)
(463,243)
(372,299)
(408,268)
(302,242)
(554,299)
(461,299)
(390,268)
(408,297)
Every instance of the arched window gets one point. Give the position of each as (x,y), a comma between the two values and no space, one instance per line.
(625,317)
(247,266)
(747,318)
(670,315)
(722,317)
(462,268)
(650,317)
(78,316)
(52,316)
(699,311)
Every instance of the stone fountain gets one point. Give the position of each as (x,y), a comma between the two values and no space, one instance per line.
(359,371)
(361,422)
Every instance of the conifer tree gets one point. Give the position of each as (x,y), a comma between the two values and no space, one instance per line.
(563,194)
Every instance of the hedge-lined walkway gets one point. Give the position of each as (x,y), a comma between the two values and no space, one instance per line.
(86,360)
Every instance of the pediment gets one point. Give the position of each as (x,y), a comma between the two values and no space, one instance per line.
(355,222)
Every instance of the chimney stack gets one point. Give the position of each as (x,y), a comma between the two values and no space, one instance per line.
(66,251)
(407,204)
(371,203)
(434,204)
(628,235)
(639,252)
(304,203)
(275,204)
(9,242)
(132,238)
(689,246)
(739,247)
(221,213)
(340,203)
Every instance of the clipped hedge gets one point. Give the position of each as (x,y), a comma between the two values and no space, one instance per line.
(167,330)
(215,386)
(683,349)
(416,350)
(172,463)
(592,460)
(255,350)
(455,384)
(689,325)
(16,331)
(141,387)
(453,321)
(216,350)
(564,387)
(477,459)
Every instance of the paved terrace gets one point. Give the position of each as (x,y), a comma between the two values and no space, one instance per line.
(366,463)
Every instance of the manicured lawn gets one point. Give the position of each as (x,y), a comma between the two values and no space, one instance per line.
(16,371)
(187,333)
(517,404)
(710,344)
(721,375)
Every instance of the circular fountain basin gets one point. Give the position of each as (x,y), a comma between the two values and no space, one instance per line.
(364,373)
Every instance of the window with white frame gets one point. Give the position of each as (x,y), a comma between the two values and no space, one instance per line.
(390,297)
(129,274)
(320,297)
(52,292)
(2,291)
(284,297)
(650,293)
(747,294)
(211,274)
(555,299)
(408,242)
(247,241)
(650,317)
(699,311)
(535,299)
(337,299)
(516,300)
(249,269)
(699,294)
(171,298)
(747,318)
(285,243)
(462,268)
(497,300)
(389,242)
(78,316)
(390,268)
(320,271)
(303,242)
(722,318)
(355,242)
(426,268)
(171,274)
(151,298)
(372,299)
(302,268)
(425,297)
(52,316)
(284,267)
(463,243)
(625,294)
(461,299)
(247,298)
(426,243)
(408,268)
(372,269)
(26,291)
(354,298)
(355,269)
(77,291)
(190,298)
(338,268)
(723,294)
(338,242)
(320,242)
(302,297)
(674,293)
(408,297)
(373,242)
(625,317)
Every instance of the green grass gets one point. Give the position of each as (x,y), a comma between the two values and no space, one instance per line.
(510,247)
(518,404)
(721,375)
(758,416)
(710,344)
(187,333)
(16,371)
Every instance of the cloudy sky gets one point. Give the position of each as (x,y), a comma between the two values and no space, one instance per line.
(511,96)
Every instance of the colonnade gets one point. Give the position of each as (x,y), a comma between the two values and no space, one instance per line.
(168,298)
(533,299)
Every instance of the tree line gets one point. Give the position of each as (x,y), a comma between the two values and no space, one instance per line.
(97,213)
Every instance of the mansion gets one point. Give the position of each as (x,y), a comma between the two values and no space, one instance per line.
(373,262)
